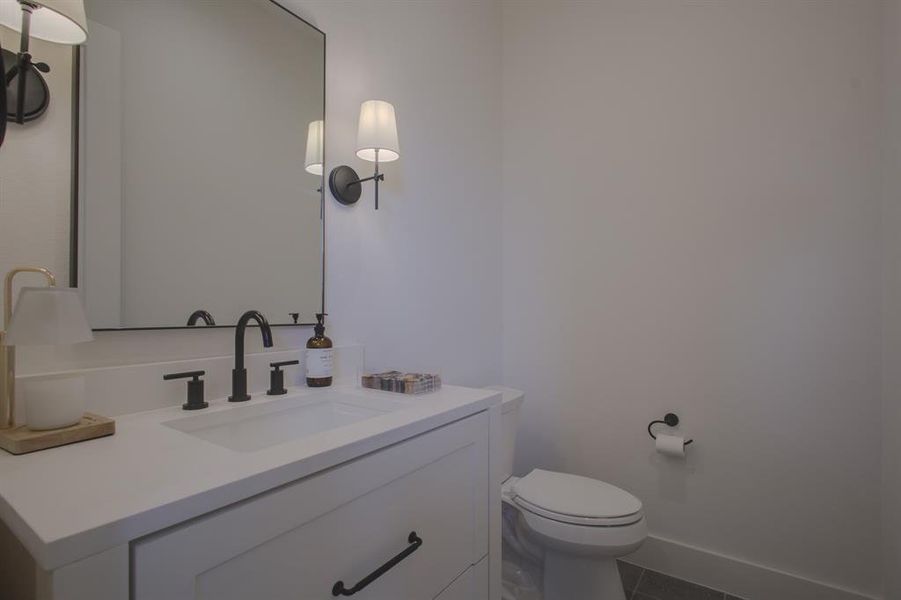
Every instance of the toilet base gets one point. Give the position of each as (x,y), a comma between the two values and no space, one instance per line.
(568,577)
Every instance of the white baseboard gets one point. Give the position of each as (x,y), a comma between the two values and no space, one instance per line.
(734,576)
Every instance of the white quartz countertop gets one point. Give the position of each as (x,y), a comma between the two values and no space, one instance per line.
(68,503)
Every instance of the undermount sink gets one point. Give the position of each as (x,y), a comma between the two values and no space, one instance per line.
(257,426)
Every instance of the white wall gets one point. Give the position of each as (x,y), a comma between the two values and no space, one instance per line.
(691,223)
(891,236)
(419,280)
(35,178)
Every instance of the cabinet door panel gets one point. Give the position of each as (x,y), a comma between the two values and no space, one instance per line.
(471,585)
(298,541)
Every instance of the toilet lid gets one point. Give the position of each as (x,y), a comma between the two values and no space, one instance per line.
(571,497)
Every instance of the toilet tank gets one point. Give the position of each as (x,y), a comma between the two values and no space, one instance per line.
(510,407)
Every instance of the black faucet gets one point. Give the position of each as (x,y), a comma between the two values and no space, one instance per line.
(203,315)
(239,373)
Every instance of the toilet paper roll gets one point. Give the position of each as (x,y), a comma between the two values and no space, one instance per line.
(670,445)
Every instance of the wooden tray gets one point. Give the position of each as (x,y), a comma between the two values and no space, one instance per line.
(21,440)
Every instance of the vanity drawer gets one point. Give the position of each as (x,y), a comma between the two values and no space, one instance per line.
(297,541)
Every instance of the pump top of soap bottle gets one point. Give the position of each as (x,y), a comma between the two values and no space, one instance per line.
(319,328)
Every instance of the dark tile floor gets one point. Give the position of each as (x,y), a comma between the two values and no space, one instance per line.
(644,584)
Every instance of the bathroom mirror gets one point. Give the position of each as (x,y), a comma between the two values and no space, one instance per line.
(198,186)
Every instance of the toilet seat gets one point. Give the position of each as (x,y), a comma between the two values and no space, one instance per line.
(581,540)
(609,536)
(575,500)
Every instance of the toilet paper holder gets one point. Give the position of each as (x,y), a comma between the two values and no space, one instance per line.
(669,419)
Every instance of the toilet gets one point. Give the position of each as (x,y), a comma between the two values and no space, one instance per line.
(578,525)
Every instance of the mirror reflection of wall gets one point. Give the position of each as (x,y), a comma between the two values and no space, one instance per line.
(194,124)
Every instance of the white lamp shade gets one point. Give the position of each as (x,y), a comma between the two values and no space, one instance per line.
(313,161)
(48,315)
(377,131)
(60,21)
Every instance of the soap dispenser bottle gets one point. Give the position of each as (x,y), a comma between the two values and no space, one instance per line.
(319,356)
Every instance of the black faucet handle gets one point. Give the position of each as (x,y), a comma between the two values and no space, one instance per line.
(277,377)
(284,363)
(185,375)
(195,389)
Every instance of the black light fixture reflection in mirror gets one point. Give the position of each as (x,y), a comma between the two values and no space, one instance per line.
(26,96)
(2,97)
(376,142)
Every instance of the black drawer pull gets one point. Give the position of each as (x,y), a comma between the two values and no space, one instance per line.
(415,542)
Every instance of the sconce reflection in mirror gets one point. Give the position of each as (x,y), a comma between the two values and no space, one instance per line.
(313,162)
(25,96)
(376,142)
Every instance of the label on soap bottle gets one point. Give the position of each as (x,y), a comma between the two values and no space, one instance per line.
(319,362)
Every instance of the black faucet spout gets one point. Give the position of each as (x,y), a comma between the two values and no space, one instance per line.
(201,315)
(239,373)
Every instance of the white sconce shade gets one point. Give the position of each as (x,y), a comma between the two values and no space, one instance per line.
(60,21)
(377,132)
(313,162)
(48,315)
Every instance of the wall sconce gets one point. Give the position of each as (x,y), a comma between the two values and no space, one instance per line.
(376,142)
(59,21)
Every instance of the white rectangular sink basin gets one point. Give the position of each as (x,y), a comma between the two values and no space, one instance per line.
(257,426)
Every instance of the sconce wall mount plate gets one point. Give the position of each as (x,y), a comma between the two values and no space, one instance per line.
(37,94)
(344,184)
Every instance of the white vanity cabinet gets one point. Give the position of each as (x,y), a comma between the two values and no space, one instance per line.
(165,513)
(471,585)
(342,524)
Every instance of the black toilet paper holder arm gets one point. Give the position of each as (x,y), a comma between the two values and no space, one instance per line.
(669,419)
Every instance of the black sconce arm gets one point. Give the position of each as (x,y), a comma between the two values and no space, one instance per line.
(23,65)
(379,177)
(2,98)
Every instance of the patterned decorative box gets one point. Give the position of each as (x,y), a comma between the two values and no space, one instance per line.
(402,383)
